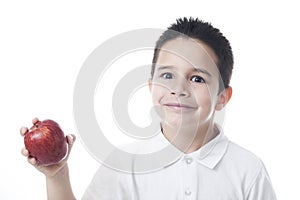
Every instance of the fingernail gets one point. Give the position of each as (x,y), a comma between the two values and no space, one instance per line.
(70,137)
(23,129)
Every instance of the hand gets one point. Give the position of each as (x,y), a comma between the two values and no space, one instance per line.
(51,170)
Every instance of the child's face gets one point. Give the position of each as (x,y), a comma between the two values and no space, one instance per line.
(185,83)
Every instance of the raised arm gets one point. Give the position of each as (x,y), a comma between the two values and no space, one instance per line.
(57,175)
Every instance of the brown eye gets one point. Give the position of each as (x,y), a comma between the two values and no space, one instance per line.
(197,79)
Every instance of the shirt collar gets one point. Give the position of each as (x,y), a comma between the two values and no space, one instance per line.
(208,155)
(212,152)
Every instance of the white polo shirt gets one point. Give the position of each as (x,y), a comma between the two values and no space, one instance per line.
(220,170)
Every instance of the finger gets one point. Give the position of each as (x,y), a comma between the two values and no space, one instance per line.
(25,152)
(32,161)
(70,139)
(35,120)
(23,131)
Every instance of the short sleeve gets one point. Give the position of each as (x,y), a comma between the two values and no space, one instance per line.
(109,184)
(261,188)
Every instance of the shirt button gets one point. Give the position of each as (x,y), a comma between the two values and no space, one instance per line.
(189,160)
(188,192)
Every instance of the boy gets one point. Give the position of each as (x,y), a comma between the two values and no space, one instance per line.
(190,76)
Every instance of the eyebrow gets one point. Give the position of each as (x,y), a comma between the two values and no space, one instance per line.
(196,69)
(202,71)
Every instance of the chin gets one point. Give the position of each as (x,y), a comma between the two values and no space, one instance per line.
(181,122)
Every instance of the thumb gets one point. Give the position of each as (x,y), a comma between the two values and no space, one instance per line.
(70,140)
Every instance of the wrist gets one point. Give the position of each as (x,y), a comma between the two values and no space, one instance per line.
(59,186)
(59,174)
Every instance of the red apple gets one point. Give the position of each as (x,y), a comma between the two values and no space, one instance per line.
(46,142)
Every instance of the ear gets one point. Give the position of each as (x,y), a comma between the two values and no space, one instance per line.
(223,98)
(150,85)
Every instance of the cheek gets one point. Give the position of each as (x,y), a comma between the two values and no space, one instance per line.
(205,107)
(205,103)
(202,96)
(206,96)
(157,94)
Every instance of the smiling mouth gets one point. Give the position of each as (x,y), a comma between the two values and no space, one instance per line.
(179,107)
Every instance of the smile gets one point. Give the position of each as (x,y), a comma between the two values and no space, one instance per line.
(179,107)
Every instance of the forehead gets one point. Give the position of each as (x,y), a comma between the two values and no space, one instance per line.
(187,52)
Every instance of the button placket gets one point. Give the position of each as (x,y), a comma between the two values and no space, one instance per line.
(187,192)
(189,177)
(188,160)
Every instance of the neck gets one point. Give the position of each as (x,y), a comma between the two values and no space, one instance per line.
(189,139)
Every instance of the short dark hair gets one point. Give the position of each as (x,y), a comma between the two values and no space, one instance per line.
(205,32)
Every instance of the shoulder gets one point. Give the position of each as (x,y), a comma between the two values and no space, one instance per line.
(242,156)
(241,163)
(107,180)
(257,183)
(250,169)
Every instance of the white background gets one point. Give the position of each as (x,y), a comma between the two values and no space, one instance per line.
(43,45)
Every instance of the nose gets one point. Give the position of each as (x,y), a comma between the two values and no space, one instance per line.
(181,89)
(179,93)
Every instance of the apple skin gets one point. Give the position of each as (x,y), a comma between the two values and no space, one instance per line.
(46,142)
